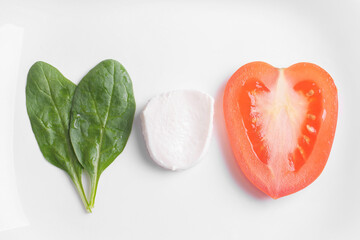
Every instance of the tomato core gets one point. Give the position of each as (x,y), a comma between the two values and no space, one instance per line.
(281,120)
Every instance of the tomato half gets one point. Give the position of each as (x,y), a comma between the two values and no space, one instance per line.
(281,124)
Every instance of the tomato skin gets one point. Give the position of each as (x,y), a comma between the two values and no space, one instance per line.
(312,165)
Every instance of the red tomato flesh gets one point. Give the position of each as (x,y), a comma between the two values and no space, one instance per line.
(281,124)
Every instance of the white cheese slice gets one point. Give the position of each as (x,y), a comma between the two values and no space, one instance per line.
(177,127)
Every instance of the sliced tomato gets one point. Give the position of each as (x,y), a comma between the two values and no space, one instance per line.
(281,124)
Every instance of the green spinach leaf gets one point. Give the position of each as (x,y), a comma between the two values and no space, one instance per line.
(102,114)
(48,101)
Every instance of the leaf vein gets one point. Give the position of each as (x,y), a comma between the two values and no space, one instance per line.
(103,127)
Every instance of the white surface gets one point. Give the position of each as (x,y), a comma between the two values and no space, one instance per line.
(177,127)
(11,212)
(188,45)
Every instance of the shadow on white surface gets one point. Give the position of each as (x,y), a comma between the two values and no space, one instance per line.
(11,210)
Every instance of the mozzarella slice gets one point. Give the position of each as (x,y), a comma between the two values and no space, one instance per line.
(177,127)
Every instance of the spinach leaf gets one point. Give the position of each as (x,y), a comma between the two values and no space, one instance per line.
(102,114)
(48,101)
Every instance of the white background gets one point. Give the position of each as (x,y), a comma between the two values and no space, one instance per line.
(198,45)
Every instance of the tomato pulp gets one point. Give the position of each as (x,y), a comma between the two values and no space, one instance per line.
(281,124)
